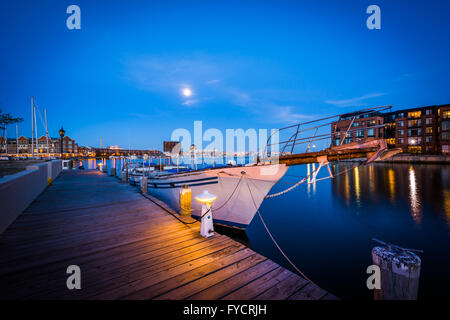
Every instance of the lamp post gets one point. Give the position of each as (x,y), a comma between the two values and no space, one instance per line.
(61,134)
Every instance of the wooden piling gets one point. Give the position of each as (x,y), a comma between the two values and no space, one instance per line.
(185,200)
(400,271)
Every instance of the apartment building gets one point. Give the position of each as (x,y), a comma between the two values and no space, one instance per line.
(423,130)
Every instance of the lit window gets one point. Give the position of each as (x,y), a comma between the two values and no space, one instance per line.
(414,114)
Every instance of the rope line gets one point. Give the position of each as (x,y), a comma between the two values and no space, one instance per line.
(273,239)
(305,178)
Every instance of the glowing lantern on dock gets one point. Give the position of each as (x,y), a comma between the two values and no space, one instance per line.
(206,227)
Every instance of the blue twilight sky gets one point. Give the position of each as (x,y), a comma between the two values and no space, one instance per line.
(249,64)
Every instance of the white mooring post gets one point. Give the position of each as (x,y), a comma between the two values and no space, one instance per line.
(400,272)
(206,227)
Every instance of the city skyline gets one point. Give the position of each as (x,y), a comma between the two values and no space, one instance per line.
(136,72)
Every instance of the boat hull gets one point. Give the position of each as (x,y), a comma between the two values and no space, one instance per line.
(239,190)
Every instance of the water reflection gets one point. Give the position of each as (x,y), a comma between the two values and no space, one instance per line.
(357,186)
(311,183)
(329,234)
(416,209)
(400,185)
(391,184)
(446,196)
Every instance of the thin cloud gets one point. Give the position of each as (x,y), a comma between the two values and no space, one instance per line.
(189,102)
(358,101)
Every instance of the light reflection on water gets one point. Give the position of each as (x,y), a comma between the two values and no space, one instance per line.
(416,209)
(328,233)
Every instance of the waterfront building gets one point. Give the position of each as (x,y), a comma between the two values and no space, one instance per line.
(23,146)
(420,130)
(423,130)
(356,126)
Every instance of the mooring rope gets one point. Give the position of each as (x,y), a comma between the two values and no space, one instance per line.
(273,239)
(306,178)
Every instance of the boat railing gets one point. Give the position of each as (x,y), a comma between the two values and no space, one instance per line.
(290,139)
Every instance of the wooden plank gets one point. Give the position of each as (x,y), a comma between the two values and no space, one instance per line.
(254,288)
(189,274)
(105,261)
(309,292)
(138,284)
(221,289)
(209,280)
(284,289)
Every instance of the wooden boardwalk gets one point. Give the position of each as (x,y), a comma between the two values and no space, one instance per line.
(128,247)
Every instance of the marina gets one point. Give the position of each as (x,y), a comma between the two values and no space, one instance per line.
(225,151)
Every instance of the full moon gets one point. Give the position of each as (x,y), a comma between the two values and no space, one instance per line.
(187,92)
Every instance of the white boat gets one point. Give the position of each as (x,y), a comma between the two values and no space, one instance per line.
(240,190)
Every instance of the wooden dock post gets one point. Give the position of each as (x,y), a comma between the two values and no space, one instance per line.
(144,184)
(400,271)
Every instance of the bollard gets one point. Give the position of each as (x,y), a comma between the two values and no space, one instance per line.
(185,200)
(206,226)
(113,172)
(123,177)
(144,184)
(400,271)
(49,181)
(105,169)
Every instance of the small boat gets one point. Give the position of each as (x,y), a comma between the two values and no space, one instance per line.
(240,190)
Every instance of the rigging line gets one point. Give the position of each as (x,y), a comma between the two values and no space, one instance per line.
(229,198)
(40,115)
(292,187)
(303,180)
(273,239)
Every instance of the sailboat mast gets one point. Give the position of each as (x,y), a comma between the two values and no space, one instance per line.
(17,139)
(32,128)
(35,132)
(46,130)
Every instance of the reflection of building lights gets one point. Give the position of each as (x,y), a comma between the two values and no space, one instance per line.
(357,186)
(347,188)
(447,205)
(413,196)
(391,181)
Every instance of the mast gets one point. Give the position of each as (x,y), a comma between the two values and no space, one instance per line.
(32,128)
(17,139)
(46,130)
(35,132)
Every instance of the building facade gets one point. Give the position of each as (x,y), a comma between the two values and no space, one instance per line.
(25,146)
(422,130)
(357,126)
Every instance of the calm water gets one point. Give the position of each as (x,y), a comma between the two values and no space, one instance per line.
(326,228)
